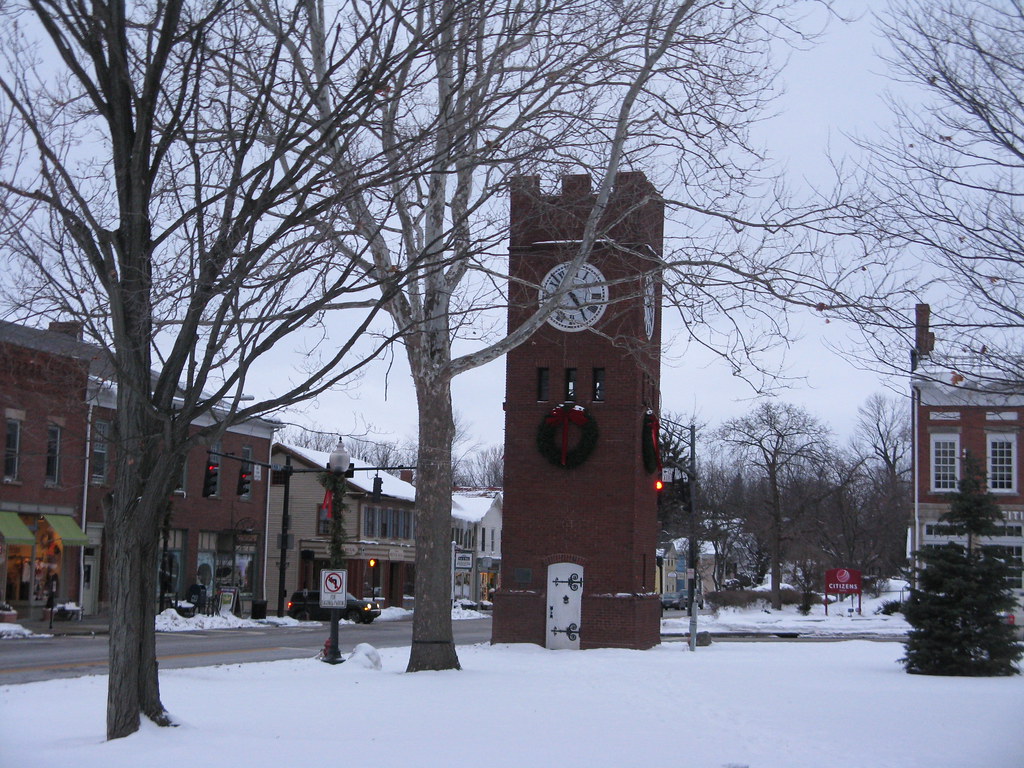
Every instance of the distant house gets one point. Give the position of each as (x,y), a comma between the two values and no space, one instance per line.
(379,532)
(476,534)
(960,407)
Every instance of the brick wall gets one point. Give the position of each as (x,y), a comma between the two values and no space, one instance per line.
(601,514)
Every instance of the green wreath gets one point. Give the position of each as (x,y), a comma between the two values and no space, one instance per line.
(558,451)
(649,443)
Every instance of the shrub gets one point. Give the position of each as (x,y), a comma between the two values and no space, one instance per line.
(890,607)
(744,598)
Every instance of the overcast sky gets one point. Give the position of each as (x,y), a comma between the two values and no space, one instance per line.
(833,89)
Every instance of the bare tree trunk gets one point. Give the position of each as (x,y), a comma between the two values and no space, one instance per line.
(133,687)
(433,645)
(144,481)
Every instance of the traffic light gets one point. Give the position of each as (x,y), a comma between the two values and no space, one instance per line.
(244,480)
(373,562)
(211,480)
(378,486)
(685,494)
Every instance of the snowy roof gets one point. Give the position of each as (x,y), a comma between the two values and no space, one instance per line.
(968,380)
(390,485)
(472,506)
(683,545)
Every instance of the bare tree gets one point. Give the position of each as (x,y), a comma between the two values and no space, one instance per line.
(483,469)
(944,186)
(883,433)
(784,444)
(504,89)
(159,186)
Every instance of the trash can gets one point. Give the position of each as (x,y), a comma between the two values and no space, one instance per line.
(259,609)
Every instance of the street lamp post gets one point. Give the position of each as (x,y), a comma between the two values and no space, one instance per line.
(338,466)
(282,567)
(692,583)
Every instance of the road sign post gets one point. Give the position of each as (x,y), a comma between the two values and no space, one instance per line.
(333,595)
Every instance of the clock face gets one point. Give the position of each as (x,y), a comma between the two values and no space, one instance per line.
(585,302)
(650,299)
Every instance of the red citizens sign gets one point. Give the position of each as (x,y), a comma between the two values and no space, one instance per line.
(842,581)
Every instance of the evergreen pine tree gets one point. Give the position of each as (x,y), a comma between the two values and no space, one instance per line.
(954,609)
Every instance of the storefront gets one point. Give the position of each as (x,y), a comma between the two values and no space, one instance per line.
(37,563)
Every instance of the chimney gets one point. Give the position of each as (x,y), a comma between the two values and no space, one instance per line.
(71,328)
(924,339)
(405,475)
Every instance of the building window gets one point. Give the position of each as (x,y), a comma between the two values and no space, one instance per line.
(53,454)
(598,384)
(388,523)
(323,520)
(1014,559)
(99,461)
(206,561)
(171,578)
(570,384)
(1000,462)
(12,450)
(945,462)
(543,384)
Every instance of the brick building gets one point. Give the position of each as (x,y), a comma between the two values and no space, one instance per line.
(959,407)
(579,505)
(58,398)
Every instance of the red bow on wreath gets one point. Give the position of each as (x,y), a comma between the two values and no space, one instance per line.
(563,417)
(328,505)
(654,440)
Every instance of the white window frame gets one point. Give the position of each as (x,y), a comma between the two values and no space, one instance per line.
(12,453)
(1010,467)
(99,464)
(934,465)
(54,439)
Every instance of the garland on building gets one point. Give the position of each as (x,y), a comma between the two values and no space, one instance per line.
(558,451)
(649,443)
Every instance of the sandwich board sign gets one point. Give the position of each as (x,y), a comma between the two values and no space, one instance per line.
(333,588)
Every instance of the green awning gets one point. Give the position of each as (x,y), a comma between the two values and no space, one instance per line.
(14,531)
(68,530)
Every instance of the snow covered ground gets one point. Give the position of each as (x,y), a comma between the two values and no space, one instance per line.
(842,619)
(730,705)
(756,704)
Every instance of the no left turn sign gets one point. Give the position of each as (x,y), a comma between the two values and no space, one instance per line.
(333,589)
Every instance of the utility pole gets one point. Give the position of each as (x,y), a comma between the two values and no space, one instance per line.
(282,566)
(694,553)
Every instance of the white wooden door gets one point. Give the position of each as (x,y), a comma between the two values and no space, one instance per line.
(565,606)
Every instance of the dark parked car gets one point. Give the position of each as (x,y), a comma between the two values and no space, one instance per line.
(681,600)
(305,606)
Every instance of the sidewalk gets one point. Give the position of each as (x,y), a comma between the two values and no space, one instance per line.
(89,625)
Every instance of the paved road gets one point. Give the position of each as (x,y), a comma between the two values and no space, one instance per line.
(47,658)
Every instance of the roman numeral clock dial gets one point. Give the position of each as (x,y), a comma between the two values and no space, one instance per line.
(584,303)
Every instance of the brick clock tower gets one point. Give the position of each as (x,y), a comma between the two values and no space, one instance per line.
(579,526)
